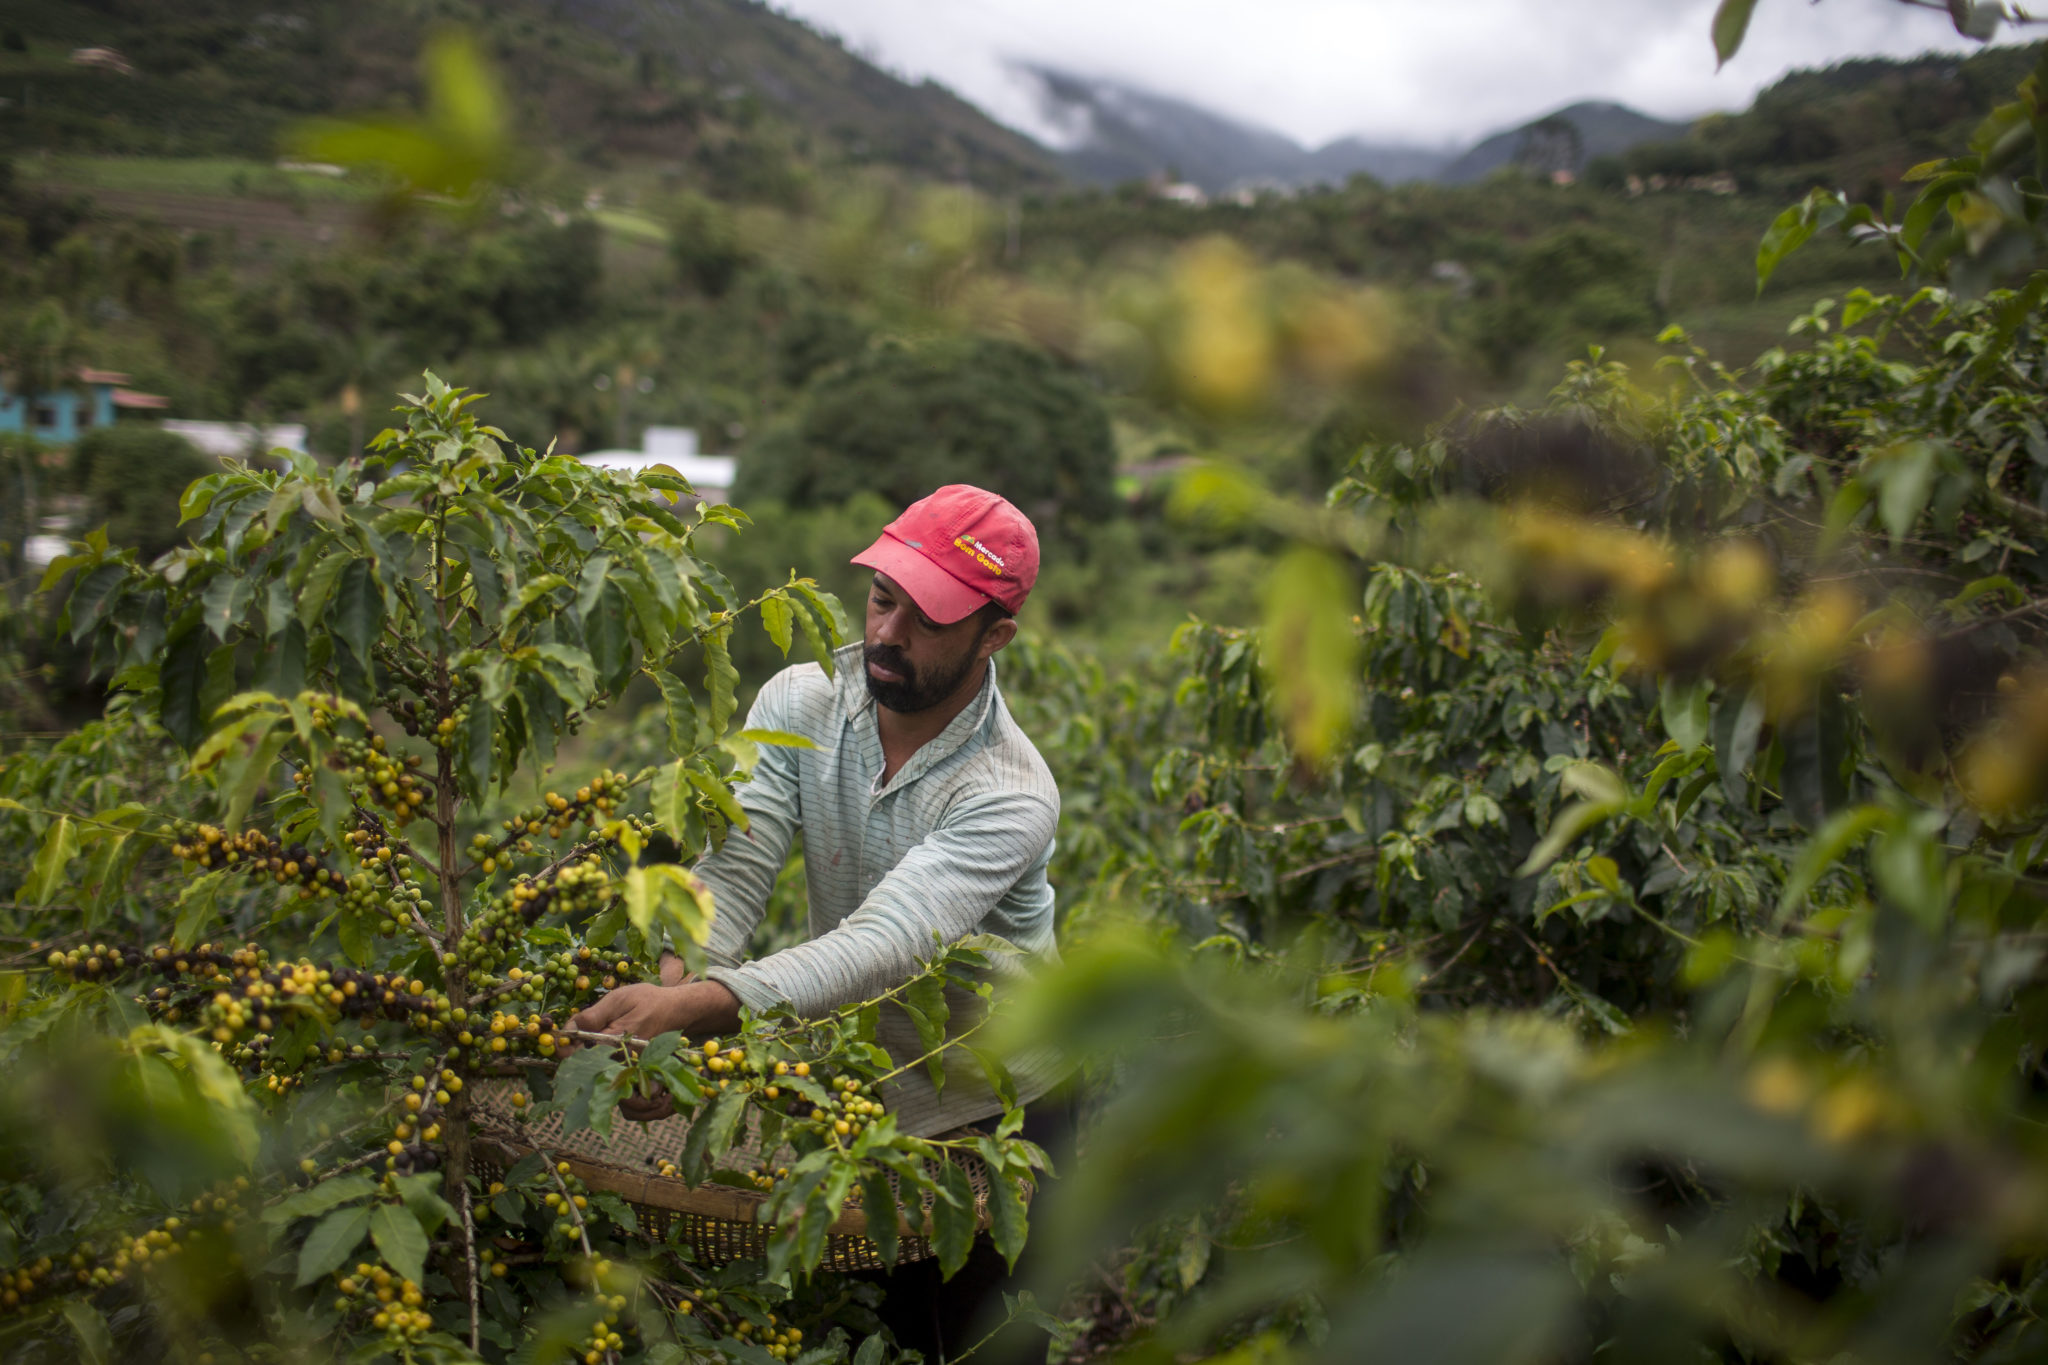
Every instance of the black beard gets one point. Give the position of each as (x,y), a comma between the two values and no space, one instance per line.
(913,693)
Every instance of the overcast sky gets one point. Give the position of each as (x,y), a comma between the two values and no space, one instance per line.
(1418,71)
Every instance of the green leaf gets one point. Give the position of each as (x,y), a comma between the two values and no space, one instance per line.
(878,1201)
(319,586)
(401,1240)
(817,638)
(1791,229)
(681,709)
(669,896)
(320,1198)
(478,756)
(1907,475)
(181,679)
(46,874)
(672,805)
(777,617)
(1310,651)
(333,1239)
(195,908)
(781,739)
(924,1000)
(720,677)
(711,1136)
(1816,745)
(358,609)
(1842,831)
(1731,22)
(224,601)
(610,640)
(95,1341)
(1686,713)
(422,1195)
(953,1220)
(1738,723)
(1008,1221)
(1566,826)
(718,794)
(532,593)
(591,585)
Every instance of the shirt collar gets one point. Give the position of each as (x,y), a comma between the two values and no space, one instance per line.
(855,701)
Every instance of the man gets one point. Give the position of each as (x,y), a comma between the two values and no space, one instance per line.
(927,817)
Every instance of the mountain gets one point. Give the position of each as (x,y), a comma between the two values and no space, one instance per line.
(1563,140)
(728,92)
(1121,133)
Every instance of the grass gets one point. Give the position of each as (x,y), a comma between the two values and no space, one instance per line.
(633,225)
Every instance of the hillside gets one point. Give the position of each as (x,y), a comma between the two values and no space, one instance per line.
(1564,140)
(1857,125)
(725,92)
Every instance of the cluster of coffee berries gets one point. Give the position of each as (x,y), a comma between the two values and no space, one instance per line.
(24,1282)
(231,993)
(576,890)
(91,1266)
(445,731)
(567,1202)
(373,848)
(256,853)
(424,1104)
(778,1339)
(600,1277)
(590,806)
(90,962)
(396,1305)
(385,778)
(848,1110)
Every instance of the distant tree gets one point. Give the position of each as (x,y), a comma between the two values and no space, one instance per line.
(1606,173)
(705,245)
(1678,160)
(815,338)
(900,421)
(131,478)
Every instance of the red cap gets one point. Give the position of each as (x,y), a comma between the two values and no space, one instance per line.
(956,551)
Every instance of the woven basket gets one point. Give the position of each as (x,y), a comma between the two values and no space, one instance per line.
(719,1223)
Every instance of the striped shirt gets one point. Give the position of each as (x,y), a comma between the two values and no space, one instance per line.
(955,844)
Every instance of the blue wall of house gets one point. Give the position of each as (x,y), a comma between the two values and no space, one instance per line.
(73,411)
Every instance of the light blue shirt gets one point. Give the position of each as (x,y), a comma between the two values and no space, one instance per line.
(955,844)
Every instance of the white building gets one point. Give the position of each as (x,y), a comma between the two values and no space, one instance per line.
(239,440)
(676,447)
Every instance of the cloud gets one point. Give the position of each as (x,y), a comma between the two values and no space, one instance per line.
(1389,70)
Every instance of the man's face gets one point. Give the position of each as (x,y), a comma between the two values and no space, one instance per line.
(913,663)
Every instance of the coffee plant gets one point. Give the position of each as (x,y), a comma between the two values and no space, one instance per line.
(1607,887)
(292,923)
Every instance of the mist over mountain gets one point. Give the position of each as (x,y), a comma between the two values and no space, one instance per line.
(1119,133)
(1115,132)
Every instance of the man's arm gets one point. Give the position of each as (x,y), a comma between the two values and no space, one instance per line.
(741,875)
(943,888)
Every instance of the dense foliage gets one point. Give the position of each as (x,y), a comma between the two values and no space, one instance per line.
(273,1067)
(1594,914)
(899,421)
(1632,927)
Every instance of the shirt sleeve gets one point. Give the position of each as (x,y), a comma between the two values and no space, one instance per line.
(742,873)
(937,895)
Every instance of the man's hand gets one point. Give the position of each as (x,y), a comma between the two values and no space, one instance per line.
(645,1010)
